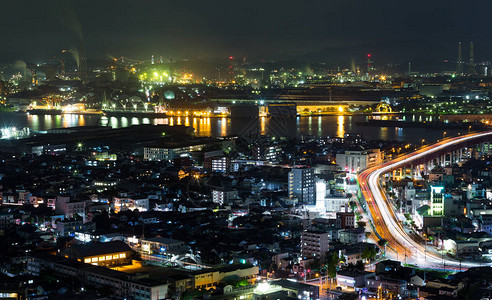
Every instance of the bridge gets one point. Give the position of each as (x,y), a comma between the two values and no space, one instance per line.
(386,224)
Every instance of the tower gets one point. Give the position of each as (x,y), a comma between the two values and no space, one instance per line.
(471,64)
(459,61)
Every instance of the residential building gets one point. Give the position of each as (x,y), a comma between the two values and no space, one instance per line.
(69,209)
(345,220)
(351,236)
(314,244)
(396,287)
(224,195)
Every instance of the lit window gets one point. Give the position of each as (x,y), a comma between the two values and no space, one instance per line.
(101,258)
(87,260)
(108,257)
(122,255)
(94,259)
(115,256)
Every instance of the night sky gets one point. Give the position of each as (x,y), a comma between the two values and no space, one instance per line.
(394,31)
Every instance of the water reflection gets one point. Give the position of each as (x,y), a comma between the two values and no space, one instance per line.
(124,122)
(325,125)
(340,126)
(161,121)
(223,127)
(34,121)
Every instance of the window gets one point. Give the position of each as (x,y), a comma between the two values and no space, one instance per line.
(108,257)
(87,260)
(122,255)
(102,258)
(94,259)
(115,256)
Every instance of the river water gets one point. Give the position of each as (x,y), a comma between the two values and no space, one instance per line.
(312,125)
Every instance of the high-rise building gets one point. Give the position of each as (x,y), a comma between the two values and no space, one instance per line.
(301,185)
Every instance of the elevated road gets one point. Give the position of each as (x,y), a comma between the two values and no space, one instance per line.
(386,223)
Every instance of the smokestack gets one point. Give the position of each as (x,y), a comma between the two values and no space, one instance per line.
(62,67)
(459,62)
(471,65)
(82,63)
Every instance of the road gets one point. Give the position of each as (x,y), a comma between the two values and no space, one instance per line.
(404,247)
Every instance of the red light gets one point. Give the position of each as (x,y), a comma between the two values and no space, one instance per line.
(230,57)
(369,55)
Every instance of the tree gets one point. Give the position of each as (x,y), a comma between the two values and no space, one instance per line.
(332,262)
(382,244)
(369,253)
(314,265)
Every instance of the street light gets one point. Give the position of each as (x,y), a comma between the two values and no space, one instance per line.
(444,134)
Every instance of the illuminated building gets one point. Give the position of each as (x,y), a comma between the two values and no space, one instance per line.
(356,161)
(301,185)
(158,245)
(68,226)
(123,204)
(223,195)
(219,164)
(437,201)
(210,278)
(100,254)
(69,209)
(351,236)
(121,284)
(270,153)
(314,244)
(170,153)
(353,277)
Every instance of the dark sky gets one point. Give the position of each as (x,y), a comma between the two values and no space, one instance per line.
(398,30)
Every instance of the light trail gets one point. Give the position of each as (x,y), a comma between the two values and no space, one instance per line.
(384,217)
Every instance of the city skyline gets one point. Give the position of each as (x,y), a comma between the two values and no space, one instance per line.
(321,31)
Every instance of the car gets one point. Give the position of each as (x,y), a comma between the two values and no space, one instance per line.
(338,288)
